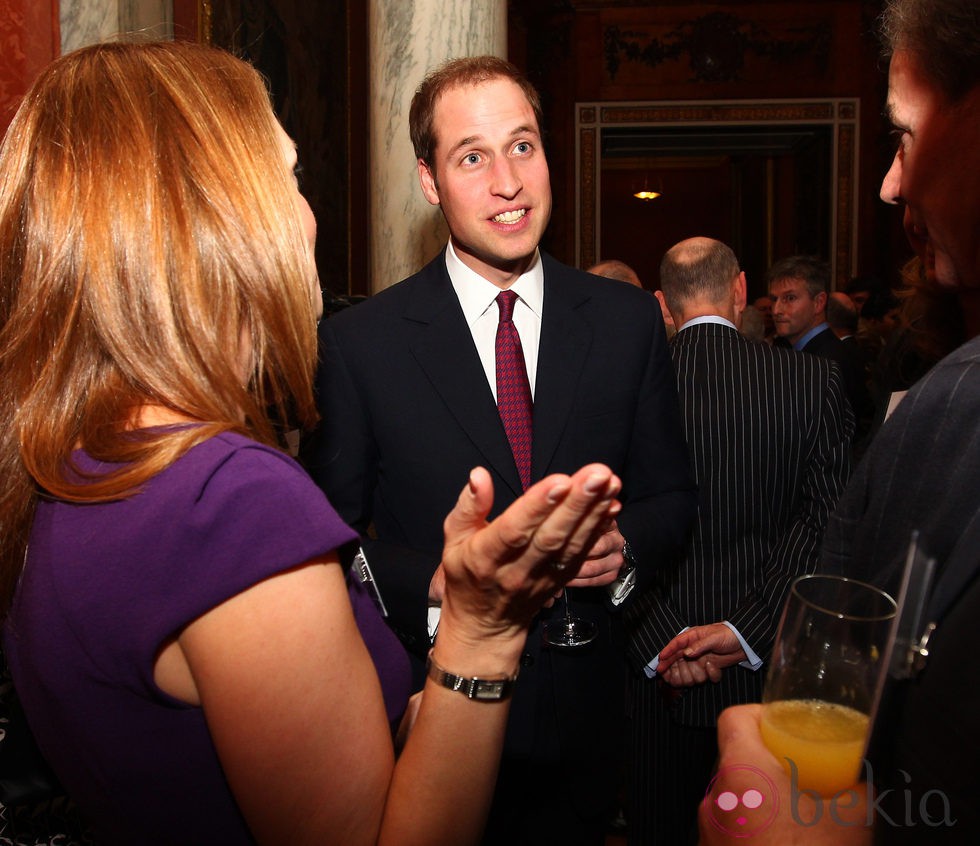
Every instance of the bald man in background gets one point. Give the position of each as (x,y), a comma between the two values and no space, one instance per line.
(760,521)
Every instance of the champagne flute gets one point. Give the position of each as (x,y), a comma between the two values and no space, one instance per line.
(568,631)
(827,665)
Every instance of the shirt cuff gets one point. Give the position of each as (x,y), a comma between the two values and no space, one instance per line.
(435,612)
(651,669)
(752,661)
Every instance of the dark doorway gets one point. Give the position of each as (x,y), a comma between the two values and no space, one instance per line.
(765,191)
(314,56)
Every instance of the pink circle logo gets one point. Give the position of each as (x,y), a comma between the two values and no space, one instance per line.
(747,810)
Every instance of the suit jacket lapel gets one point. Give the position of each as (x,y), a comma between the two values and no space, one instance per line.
(562,352)
(445,351)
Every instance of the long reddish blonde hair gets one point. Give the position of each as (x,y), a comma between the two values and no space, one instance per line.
(151,252)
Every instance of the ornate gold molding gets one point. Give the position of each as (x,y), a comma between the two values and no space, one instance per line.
(841,114)
(717,45)
(205,19)
(588,196)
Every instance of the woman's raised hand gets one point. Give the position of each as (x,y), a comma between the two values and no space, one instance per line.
(499,574)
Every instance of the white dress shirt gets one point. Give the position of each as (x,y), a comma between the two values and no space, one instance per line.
(477,297)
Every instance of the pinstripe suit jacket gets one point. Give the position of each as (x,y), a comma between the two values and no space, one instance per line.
(768,431)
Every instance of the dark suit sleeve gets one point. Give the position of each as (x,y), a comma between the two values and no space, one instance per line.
(659,494)
(797,551)
(343,461)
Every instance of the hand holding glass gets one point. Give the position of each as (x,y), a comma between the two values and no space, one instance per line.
(827,664)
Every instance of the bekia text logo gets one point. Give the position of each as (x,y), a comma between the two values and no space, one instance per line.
(747,803)
(747,811)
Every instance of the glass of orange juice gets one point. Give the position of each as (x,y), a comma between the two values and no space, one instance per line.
(827,664)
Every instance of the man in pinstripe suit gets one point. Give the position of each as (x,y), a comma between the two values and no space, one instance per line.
(769,434)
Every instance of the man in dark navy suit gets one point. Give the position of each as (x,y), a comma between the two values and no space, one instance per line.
(409,396)
(800,288)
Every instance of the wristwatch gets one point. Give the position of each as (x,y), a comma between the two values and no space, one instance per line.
(485,690)
(621,588)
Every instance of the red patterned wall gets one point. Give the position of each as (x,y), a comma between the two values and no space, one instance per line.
(29,39)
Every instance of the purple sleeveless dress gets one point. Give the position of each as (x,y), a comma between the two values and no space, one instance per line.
(107,584)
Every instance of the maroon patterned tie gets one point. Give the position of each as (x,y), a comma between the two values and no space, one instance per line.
(513,388)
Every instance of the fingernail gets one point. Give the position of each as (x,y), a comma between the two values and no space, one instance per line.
(472,484)
(558,492)
(596,482)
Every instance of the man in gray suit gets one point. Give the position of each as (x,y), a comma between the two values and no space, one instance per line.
(769,434)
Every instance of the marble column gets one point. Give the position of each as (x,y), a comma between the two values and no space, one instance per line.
(407,39)
(89,21)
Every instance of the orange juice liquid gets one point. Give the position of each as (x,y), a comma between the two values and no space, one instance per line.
(824,741)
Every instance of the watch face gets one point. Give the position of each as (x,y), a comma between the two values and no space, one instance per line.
(487,690)
(622,587)
(491,690)
(628,553)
